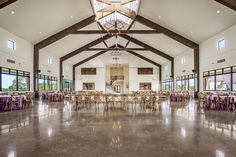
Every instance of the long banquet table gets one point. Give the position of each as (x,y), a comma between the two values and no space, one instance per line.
(220,102)
(9,103)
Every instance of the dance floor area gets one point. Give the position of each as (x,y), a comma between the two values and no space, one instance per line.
(172,130)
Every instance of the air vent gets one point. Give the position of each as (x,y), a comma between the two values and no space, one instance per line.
(221,61)
(184,71)
(49,71)
(11,61)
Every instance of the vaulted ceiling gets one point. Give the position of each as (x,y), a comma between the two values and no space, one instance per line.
(197,20)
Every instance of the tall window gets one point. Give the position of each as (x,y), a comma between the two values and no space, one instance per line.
(183,60)
(178,85)
(54,85)
(11,44)
(23,81)
(47,83)
(67,85)
(209,80)
(186,83)
(221,44)
(167,85)
(192,83)
(49,60)
(41,84)
(14,80)
(221,79)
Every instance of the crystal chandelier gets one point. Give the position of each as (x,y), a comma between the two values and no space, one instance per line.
(116,53)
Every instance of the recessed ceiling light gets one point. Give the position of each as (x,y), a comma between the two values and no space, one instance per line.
(40,32)
(218,11)
(167,50)
(191,32)
(71,16)
(12,12)
(159,16)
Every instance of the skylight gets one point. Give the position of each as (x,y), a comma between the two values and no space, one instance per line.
(112,10)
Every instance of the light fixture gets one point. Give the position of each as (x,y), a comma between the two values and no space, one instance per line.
(114,27)
(159,16)
(218,11)
(191,32)
(40,32)
(116,58)
(12,12)
(116,53)
(71,16)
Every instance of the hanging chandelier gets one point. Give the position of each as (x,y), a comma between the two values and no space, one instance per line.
(116,53)
(114,27)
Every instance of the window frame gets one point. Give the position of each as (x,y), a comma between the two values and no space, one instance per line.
(15,72)
(49,80)
(50,60)
(13,48)
(216,73)
(185,82)
(219,44)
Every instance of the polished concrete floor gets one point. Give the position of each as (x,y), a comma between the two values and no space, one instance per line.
(57,129)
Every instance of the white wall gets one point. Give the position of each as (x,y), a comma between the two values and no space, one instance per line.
(98,79)
(23,55)
(126,58)
(166,70)
(209,53)
(180,69)
(188,66)
(135,79)
(67,71)
(46,68)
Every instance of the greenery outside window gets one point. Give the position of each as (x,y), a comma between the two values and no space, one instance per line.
(14,80)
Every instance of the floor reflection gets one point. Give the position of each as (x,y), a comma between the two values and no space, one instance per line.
(59,127)
(116,142)
(6,128)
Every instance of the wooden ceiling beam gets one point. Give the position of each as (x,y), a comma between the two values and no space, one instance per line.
(144,58)
(129,28)
(228,3)
(65,32)
(81,49)
(108,2)
(5,3)
(166,31)
(117,32)
(149,61)
(91,57)
(157,52)
(85,47)
(131,52)
(146,46)
(52,39)
(102,28)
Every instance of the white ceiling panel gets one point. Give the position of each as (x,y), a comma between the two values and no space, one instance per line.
(185,16)
(46,16)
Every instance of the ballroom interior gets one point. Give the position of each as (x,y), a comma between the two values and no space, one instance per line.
(127,78)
